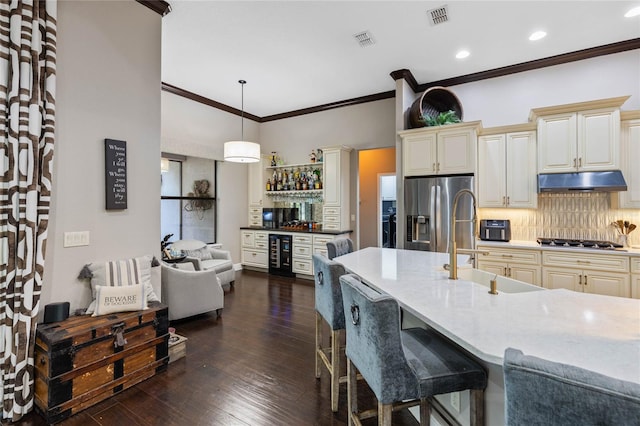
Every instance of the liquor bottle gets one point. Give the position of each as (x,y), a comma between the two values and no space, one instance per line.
(268,184)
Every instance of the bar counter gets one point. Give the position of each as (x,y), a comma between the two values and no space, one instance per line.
(598,333)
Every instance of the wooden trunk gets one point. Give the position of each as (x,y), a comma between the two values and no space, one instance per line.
(82,360)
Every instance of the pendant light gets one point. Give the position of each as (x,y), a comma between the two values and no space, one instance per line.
(242,151)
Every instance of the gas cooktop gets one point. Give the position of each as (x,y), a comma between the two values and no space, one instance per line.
(594,244)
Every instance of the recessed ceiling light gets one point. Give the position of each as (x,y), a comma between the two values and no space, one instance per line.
(537,35)
(632,12)
(462,54)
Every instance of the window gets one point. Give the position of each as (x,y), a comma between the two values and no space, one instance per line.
(188,199)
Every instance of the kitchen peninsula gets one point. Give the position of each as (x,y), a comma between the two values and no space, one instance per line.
(598,333)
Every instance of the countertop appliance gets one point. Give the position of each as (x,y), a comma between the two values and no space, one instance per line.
(428,205)
(280,251)
(568,243)
(495,230)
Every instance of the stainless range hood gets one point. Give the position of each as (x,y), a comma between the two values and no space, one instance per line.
(609,181)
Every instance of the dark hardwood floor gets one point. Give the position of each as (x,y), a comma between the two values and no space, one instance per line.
(252,366)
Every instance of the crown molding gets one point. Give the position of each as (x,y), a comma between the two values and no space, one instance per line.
(578,106)
(564,58)
(209,102)
(161,7)
(406,74)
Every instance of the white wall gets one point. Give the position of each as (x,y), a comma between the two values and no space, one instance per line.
(197,130)
(108,80)
(508,100)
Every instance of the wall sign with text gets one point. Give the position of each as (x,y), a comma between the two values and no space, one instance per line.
(115,174)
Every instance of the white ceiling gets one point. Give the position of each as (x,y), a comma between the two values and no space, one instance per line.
(300,54)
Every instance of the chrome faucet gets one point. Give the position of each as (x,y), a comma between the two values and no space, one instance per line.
(453,249)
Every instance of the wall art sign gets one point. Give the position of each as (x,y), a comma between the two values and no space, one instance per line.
(115,174)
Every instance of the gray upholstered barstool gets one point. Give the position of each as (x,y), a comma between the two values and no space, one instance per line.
(542,392)
(338,247)
(402,367)
(329,307)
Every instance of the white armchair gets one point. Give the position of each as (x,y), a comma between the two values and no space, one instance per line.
(205,258)
(189,293)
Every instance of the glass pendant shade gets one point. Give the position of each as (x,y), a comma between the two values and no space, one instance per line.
(241,152)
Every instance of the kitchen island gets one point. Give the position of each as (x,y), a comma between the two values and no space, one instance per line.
(598,333)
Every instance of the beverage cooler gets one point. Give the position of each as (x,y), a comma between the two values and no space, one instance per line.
(280,252)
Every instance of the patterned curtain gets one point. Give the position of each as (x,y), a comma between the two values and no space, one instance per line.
(27,123)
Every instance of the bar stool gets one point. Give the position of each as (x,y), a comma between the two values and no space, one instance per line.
(401,365)
(543,392)
(339,247)
(329,307)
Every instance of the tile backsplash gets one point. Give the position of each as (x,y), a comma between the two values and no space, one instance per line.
(584,215)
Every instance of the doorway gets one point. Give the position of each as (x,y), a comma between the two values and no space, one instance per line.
(387,210)
(372,163)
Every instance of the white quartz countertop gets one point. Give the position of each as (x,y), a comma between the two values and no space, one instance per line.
(598,333)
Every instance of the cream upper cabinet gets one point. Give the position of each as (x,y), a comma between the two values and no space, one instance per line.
(336,173)
(257,183)
(507,170)
(442,150)
(629,155)
(579,137)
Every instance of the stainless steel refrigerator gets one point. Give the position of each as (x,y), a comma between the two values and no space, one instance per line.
(428,206)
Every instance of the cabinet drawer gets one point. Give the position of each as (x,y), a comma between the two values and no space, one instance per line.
(331,211)
(262,236)
(261,245)
(302,266)
(254,258)
(255,211)
(321,250)
(255,218)
(248,239)
(635,265)
(600,262)
(301,239)
(303,251)
(529,257)
(331,226)
(322,240)
(329,218)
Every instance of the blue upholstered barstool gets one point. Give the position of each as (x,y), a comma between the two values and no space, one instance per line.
(542,392)
(329,307)
(339,247)
(401,365)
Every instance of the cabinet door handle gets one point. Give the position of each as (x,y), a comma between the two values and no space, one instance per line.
(434,167)
(508,200)
(575,163)
(509,273)
(585,280)
(580,162)
(438,167)
(579,279)
(504,200)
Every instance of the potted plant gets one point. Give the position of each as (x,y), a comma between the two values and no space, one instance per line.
(446,117)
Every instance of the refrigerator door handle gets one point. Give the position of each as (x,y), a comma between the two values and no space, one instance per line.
(438,217)
(432,216)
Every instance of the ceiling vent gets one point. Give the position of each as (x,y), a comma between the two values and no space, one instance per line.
(364,39)
(438,15)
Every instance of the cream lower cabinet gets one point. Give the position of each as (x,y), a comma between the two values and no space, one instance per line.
(320,244)
(255,247)
(597,274)
(301,262)
(635,277)
(519,264)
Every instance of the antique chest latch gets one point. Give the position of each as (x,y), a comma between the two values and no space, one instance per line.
(118,331)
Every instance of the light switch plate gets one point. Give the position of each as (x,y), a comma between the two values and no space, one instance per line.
(76,239)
